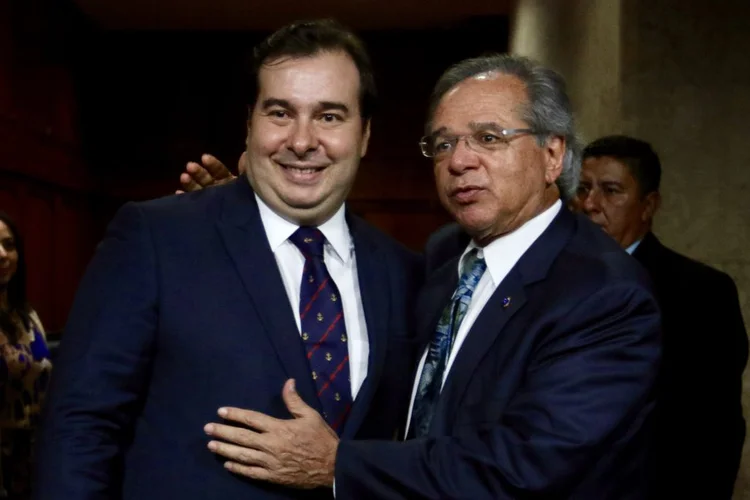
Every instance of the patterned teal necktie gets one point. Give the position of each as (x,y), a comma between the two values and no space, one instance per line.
(431,380)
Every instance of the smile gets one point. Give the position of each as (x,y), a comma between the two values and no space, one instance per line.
(303,174)
(304,170)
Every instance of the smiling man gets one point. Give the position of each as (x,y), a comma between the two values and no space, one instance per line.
(217,298)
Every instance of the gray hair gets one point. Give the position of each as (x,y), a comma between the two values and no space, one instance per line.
(548,110)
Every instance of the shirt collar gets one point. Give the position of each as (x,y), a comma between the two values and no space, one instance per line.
(504,252)
(632,247)
(278,230)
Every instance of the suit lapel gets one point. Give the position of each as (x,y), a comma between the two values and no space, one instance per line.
(374,288)
(242,230)
(509,297)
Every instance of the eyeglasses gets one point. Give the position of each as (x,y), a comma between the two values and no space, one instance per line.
(481,141)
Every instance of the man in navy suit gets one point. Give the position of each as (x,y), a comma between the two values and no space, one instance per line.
(698,428)
(540,335)
(217,298)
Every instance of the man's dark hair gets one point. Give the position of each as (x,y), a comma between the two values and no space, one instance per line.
(637,155)
(17,305)
(309,38)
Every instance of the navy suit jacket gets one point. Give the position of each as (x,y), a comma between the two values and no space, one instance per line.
(182,311)
(699,429)
(547,397)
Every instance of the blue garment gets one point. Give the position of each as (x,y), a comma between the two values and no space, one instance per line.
(183,311)
(38,346)
(548,395)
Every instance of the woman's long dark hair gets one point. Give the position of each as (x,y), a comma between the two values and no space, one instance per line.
(17,304)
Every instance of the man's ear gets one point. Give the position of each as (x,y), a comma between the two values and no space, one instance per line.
(365,138)
(652,203)
(242,163)
(554,153)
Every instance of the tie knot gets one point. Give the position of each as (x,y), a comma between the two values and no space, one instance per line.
(309,240)
(472,269)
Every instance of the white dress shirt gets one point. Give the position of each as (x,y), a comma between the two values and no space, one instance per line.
(501,255)
(341,262)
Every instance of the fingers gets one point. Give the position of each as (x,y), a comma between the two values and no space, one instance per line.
(200,174)
(211,172)
(252,472)
(236,435)
(294,403)
(187,182)
(214,169)
(249,418)
(238,454)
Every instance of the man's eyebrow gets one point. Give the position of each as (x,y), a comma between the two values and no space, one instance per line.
(475,126)
(272,101)
(332,105)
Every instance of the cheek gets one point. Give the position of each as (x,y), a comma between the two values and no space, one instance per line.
(443,182)
(341,146)
(617,207)
(508,186)
(615,214)
(267,140)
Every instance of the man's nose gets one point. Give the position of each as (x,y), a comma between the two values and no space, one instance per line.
(591,202)
(463,157)
(303,139)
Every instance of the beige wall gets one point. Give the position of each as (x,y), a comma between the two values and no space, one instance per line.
(581,40)
(677,74)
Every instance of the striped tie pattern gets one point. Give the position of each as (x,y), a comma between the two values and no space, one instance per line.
(323,329)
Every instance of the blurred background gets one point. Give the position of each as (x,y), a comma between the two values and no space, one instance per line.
(103,102)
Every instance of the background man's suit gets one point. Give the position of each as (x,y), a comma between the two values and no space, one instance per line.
(547,396)
(698,425)
(183,311)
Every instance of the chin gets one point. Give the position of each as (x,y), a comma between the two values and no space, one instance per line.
(304,204)
(304,198)
(476,227)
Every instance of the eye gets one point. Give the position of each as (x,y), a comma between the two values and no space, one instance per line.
(487,139)
(442,145)
(583,190)
(278,113)
(330,117)
(9,245)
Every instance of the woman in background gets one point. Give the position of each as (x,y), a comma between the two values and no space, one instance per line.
(24,365)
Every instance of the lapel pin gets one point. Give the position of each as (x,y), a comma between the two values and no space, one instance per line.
(506,302)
